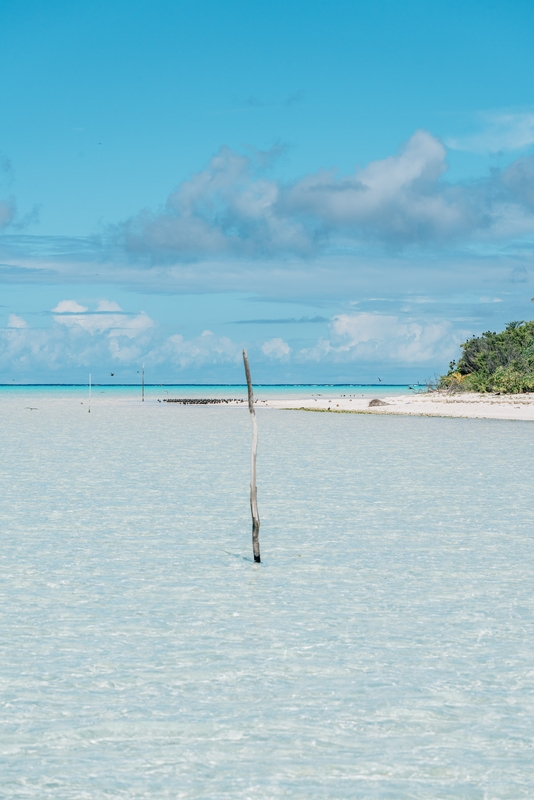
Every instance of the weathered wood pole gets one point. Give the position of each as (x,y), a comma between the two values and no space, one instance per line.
(89,393)
(253,454)
(143,384)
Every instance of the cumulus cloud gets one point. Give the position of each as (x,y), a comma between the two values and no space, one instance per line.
(48,350)
(80,337)
(108,305)
(380,338)
(16,322)
(199,351)
(399,197)
(276,349)
(227,209)
(69,307)
(93,339)
(112,324)
(108,318)
(77,338)
(231,209)
(67,349)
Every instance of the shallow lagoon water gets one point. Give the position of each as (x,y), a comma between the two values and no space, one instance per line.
(239,391)
(384,648)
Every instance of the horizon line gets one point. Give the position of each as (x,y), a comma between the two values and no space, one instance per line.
(155,385)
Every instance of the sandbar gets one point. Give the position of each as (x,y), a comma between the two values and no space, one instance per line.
(431,404)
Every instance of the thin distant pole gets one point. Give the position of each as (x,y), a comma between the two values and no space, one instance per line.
(143,383)
(253,454)
(89,393)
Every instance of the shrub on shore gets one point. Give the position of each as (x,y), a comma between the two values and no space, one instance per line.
(494,362)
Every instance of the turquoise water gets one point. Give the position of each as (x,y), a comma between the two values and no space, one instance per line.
(216,391)
(384,648)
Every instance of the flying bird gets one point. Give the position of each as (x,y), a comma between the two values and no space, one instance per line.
(112,374)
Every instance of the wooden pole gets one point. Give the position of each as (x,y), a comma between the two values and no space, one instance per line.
(143,384)
(254,451)
(89,393)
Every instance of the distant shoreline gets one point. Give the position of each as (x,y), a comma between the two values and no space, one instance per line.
(210,385)
(356,399)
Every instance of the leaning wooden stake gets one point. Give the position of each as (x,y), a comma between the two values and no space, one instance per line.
(253,487)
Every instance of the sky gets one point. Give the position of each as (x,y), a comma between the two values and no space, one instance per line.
(346,189)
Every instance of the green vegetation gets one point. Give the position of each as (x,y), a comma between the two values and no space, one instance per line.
(495,362)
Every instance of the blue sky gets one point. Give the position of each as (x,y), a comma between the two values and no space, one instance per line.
(345,188)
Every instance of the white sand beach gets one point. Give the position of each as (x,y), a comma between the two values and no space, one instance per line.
(433,404)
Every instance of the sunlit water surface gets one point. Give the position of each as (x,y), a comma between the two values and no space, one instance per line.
(383,649)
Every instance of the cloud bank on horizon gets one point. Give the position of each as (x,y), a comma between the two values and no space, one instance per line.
(80,338)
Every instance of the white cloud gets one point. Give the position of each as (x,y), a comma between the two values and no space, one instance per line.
(227,209)
(383,338)
(46,350)
(108,305)
(397,196)
(118,324)
(16,322)
(76,340)
(276,349)
(91,340)
(108,318)
(231,209)
(81,339)
(204,349)
(69,307)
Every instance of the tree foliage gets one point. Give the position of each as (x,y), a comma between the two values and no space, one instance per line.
(495,362)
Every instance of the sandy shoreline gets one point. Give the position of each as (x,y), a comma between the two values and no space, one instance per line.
(468,405)
(474,406)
